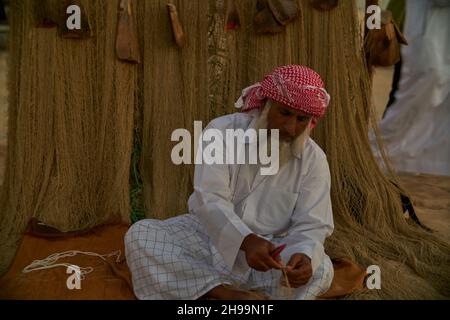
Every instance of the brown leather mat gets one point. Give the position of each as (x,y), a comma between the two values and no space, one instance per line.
(348,278)
(109,280)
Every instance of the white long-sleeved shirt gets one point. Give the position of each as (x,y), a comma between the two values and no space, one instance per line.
(231,202)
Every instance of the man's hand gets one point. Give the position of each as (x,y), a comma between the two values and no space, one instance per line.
(298,270)
(257,251)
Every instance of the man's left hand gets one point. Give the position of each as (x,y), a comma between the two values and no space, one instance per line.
(299,270)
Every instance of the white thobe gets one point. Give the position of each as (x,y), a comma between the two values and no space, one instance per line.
(416,128)
(186,256)
(295,201)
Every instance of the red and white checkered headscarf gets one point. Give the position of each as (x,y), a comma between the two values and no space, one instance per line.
(296,86)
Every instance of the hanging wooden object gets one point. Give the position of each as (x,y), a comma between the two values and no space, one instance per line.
(232,19)
(177,28)
(46,13)
(324,5)
(127,44)
(264,21)
(85,29)
(367,14)
(53,14)
(284,11)
(382,46)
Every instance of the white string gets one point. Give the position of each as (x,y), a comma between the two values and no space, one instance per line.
(50,261)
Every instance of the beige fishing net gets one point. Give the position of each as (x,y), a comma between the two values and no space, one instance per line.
(370,225)
(79,119)
(70,126)
(174,92)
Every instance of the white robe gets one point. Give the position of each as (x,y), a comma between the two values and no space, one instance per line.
(186,256)
(416,128)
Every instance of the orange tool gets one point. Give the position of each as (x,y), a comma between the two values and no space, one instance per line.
(276,252)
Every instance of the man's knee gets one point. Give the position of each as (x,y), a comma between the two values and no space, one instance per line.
(134,235)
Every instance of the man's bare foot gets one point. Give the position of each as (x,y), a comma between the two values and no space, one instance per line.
(226,292)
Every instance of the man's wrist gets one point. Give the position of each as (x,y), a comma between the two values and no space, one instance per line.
(246,240)
(305,255)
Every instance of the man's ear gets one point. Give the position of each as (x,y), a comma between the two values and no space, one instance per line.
(313,123)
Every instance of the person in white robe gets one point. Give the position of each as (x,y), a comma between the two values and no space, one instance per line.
(224,247)
(416,128)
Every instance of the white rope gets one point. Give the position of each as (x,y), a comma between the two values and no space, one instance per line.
(50,261)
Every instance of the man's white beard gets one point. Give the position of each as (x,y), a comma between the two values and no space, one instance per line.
(287,150)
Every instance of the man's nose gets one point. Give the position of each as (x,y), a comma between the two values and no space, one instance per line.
(290,126)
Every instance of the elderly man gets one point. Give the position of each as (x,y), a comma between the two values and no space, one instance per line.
(228,247)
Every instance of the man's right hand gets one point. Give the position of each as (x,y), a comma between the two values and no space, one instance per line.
(257,251)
